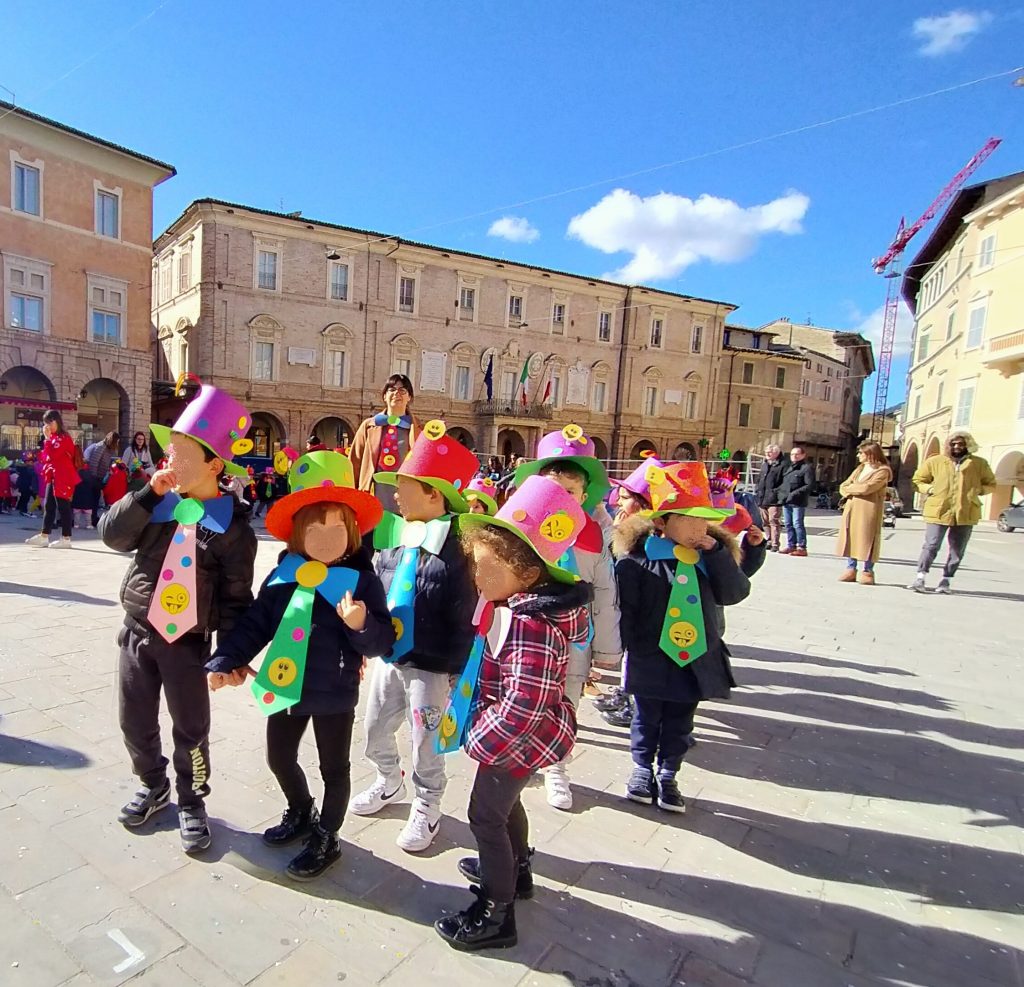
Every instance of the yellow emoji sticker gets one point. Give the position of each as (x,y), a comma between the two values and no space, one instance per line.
(572,433)
(282,672)
(557,527)
(174,598)
(682,634)
(434,429)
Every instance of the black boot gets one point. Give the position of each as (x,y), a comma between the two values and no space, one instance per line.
(322,850)
(295,824)
(470,867)
(485,924)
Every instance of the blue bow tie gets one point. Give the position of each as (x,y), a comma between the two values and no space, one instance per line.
(659,549)
(217,512)
(403,421)
(339,580)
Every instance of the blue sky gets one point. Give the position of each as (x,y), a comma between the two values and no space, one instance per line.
(436,120)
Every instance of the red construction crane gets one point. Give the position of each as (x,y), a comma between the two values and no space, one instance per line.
(888,265)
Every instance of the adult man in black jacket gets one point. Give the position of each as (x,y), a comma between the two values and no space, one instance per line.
(794,493)
(768,481)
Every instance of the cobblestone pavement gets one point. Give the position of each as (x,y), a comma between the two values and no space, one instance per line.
(855,811)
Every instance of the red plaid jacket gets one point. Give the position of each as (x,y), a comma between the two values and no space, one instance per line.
(522,720)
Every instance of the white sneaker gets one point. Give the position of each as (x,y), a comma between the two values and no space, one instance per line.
(419,832)
(39,540)
(918,584)
(556,781)
(943,588)
(63,543)
(381,793)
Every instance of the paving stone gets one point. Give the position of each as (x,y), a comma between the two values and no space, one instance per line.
(29,956)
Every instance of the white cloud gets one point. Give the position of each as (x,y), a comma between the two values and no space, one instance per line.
(949,32)
(514,228)
(666,233)
(870,326)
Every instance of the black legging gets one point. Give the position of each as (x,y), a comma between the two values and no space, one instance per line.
(333,739)
(51,505)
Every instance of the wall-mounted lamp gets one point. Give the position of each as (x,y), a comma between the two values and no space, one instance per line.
(333,254)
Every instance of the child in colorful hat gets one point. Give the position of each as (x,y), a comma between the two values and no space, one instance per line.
(633,494)
(673,573)
(265,485)
(431,599)
(567,457)
(481,494)
(191,575)
(321,610)
(522,719)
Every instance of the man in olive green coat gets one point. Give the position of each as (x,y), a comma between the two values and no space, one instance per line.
(954,482)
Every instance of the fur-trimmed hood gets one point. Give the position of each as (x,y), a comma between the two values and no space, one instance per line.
(972,446)
(631,534)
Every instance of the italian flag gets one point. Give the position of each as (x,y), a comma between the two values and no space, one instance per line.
(523,378)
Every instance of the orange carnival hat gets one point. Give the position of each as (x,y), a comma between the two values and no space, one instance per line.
(683,488)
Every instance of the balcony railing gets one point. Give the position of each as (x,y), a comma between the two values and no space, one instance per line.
(1005,352)
(512,409)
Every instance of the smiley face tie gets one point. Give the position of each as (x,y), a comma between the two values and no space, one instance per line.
(174,610)
(683,636)
(452,733)
(412,536)
(278,684)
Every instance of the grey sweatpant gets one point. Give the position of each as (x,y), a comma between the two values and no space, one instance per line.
(147,664)
(401,692)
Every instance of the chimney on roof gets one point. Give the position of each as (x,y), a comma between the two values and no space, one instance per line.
(295,215)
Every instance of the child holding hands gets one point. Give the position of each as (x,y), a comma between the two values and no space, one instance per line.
(322,609)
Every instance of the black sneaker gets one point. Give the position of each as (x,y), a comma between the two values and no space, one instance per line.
(194,828)
(621,717)
(615,699)
(690,740)
(144,803)
(641,786)
(296,824)
(486,924)
(669,797)
(322,849)
(470,867)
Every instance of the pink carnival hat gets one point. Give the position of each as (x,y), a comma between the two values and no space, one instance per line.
(482,488)
(544,516)
(637,482)
(570,445)
(216,420)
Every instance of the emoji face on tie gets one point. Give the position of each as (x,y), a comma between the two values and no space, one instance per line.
(174,598)
(682,634)
(434,429)
(282,672)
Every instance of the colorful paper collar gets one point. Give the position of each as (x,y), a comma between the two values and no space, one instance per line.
(383,418)
(394,532)
(214,514)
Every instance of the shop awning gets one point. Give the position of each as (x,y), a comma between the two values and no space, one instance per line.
(33,403)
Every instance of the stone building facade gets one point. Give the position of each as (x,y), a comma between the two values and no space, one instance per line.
(76,226)
(304,320)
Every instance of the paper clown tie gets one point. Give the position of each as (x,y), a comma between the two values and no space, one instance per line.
(569,563)
(392,532)
(174,609)
(491,625)
(683,636)
(278,684)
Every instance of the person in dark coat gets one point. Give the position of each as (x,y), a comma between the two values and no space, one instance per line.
(671,629)
(347,620)
(28,487)
(767,493)
(794,493)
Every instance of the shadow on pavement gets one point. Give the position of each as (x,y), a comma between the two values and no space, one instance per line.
(790,657)
(53,593)
(20,751)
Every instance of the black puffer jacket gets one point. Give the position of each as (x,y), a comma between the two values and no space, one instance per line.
(330,683)
(644,588)
(225,573)
(445,602)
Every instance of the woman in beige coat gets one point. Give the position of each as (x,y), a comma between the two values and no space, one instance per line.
(860,534)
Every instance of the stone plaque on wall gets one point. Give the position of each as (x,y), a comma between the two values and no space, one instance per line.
(432,370)
(673,397)
(578,388)
(299,354)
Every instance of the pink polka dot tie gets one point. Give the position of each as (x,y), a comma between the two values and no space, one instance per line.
(174,610)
